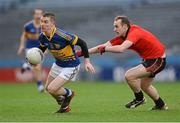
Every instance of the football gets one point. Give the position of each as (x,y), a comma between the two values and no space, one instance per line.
(34,56)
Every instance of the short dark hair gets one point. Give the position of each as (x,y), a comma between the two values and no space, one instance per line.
(124,19)
(34,11)
(50,15)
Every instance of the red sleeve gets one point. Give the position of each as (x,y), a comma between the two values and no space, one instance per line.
(116,41)
(133,36)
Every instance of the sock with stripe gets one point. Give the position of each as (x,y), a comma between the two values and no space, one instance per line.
(68,92)
(39,83)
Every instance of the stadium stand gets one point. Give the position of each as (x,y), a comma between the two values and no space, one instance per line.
(92,20)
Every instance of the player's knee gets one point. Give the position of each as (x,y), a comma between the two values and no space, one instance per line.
(51,89)
(145,87)
(129,76)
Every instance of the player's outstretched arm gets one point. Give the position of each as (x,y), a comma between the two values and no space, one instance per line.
(95,49)
(84,52)
(22,44)
(118,48)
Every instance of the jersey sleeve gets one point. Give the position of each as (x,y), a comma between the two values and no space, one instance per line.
(116,41)
(71,38)
(26,27)
(133,36)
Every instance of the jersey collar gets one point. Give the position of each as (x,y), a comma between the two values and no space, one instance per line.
(51,35)
(124,37)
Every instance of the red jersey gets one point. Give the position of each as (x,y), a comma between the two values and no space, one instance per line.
(144,43)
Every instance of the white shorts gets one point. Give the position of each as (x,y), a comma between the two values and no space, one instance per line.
(68,73)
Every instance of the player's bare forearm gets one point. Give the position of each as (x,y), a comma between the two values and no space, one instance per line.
(23,39)
(114,49)
(119,48)
(22,44)
(95,50)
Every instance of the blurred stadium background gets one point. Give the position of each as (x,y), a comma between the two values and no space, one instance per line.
(93,21)
(97,99)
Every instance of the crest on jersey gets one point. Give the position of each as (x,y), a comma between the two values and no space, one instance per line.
(69,38)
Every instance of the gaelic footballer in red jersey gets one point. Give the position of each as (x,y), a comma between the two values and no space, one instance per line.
(144,42)
(148,47)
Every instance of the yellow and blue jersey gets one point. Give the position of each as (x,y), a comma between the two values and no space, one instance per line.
(61,45)
(32,35)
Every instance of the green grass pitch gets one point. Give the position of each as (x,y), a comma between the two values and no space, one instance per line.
(94,101)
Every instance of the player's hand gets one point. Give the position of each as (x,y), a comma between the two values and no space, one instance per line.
(88,66)
(79,53)
(101,49)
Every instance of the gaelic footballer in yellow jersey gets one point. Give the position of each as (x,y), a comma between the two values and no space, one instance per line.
(29,39)
(61,45)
